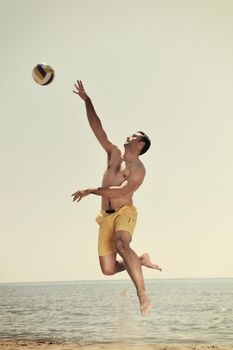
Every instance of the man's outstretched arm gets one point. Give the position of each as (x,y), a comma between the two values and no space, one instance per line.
(93,118)
(129,185)
(109,192)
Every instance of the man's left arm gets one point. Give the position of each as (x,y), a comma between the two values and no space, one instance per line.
(129,185)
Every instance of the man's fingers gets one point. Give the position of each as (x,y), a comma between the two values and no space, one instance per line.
(73,194)
(77,196)
(79,91)
(77,88)
(81,87)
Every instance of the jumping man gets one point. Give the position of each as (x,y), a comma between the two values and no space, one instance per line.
(123,176)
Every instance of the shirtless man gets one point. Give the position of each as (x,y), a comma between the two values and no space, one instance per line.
(117,219)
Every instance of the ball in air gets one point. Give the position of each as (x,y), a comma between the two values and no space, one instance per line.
(43,74)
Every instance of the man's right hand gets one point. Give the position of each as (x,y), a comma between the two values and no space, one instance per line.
(77,196)
(79,90)
(93,119)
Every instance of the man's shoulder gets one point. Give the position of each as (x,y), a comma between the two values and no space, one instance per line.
(141,166)
(139,169)
(114,155)
(114,151)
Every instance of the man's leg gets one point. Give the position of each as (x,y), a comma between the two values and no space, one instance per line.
(132,264)
(109,265)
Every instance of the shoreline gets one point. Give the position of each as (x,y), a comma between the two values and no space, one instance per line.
(16,344)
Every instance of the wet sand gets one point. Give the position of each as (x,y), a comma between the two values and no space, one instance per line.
(10,344)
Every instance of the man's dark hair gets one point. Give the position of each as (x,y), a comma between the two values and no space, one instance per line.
(144,138)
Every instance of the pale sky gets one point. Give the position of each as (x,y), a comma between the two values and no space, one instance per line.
(161,66)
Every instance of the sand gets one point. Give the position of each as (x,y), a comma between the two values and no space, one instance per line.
(9,344)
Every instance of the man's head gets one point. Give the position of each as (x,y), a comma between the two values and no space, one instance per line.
(140,141)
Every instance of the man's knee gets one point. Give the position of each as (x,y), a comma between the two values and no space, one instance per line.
(108,270)
(122,241)
(108,265)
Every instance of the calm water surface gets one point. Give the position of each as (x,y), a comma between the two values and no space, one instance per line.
(184,311)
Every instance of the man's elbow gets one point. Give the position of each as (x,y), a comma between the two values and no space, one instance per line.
(124,192)
(118,192)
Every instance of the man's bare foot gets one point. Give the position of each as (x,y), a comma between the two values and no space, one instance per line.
(145,304)
(145,261)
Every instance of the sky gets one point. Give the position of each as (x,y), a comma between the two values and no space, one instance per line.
(161,66)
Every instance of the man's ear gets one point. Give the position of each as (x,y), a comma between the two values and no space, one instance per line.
(141,144)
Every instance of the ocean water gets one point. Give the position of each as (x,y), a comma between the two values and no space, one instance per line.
(184,311)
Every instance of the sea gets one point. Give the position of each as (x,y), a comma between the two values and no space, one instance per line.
(185,311)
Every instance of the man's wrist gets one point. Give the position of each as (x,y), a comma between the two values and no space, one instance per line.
(87,99)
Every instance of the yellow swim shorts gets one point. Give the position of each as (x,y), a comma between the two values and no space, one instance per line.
(124,218)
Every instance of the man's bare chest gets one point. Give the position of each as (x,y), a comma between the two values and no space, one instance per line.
(117,173)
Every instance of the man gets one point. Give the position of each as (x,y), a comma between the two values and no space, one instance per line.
(123,176)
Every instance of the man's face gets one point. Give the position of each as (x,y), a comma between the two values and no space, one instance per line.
(136,137)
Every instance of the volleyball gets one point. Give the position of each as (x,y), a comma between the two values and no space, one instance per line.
(43,74)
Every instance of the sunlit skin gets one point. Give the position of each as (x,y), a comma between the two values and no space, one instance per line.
(123,176)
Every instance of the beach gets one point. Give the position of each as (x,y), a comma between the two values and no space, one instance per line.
(11,344)
(195,314)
